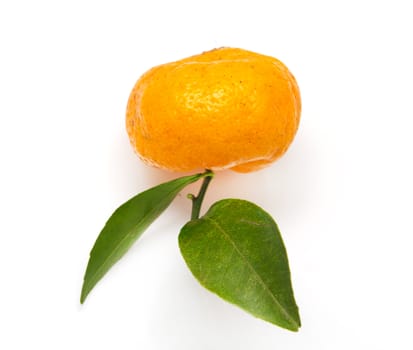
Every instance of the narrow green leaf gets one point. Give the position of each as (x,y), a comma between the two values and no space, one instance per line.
(237,252)
(126,225)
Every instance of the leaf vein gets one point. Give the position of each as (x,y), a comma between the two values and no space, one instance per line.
(255,273)
(97,273)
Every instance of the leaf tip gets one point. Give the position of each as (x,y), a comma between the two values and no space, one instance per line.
(293,324)
(83,295)
(295,327)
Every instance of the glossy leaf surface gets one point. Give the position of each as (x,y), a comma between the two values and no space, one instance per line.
(237,252)
(126,225)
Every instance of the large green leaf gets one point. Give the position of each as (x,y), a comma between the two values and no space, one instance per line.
(126,225)
(236,251)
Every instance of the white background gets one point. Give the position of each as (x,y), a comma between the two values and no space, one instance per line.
(342,195)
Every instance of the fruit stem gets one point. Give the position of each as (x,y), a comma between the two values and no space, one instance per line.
(197,200)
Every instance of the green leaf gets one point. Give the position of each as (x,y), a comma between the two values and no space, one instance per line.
(236,251)
(126,225)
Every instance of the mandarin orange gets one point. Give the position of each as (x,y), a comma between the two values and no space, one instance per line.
(223,109)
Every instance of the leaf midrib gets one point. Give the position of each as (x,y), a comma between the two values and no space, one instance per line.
(255,273)
(115,250)
(119,244)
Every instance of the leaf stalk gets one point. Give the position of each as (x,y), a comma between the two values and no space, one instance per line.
(197,200)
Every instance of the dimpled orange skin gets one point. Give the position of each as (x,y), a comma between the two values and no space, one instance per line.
(223,109)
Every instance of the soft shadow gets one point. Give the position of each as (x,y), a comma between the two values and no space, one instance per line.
(190,317)
(285,189)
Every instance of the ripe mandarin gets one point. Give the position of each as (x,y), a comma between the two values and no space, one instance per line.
(223,109)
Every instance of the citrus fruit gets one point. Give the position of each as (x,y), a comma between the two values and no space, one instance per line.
(223,109)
